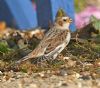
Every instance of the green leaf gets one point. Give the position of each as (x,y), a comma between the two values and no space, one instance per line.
(4,47)
(95,23)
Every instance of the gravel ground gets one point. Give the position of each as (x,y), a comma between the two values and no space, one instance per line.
(73,75)
(46,80)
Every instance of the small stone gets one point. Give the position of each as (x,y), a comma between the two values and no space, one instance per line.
(70,63)
(48,72)
(20,76)
(79,84)
(42,74)
(66,58)
(59,84)
(4,79)
(32,86)
(63,72)
(0,80)
(12,79)
(77,75)
(85,76)
(1,73)
(62,83)
(98,63)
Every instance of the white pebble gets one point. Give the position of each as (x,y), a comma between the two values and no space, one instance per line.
(1,73)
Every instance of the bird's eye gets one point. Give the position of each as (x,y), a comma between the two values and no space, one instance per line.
(64,20)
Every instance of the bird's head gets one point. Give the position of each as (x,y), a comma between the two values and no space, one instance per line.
(62,21)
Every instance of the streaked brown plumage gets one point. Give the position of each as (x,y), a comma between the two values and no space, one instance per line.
(55,40)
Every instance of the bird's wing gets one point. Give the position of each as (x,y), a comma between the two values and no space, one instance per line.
(53,43)
(48,41)
(56,41)
(40,49)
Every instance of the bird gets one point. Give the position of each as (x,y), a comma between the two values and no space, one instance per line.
(54,41)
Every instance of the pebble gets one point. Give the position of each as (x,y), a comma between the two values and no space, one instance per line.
(52,81)
(1,73)
(32,86)
(63,73)
(42,74)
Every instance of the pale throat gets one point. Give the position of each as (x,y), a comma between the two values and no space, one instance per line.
(64,26)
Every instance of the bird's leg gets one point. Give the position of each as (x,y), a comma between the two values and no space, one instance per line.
(76,37)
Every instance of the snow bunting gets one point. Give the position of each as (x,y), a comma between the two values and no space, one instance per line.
(54,41)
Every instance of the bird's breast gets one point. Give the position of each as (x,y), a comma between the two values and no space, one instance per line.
(68,37)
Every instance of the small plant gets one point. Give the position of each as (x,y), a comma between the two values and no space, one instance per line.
(4,47)
(95,23)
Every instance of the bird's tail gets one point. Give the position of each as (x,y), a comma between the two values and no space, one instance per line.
(37,59)
(23,59)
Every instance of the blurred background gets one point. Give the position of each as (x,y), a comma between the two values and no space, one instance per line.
(84,9)
(81,5)
(32,14)
(27,17)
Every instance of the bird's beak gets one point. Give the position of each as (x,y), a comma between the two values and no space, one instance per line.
(70,20)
